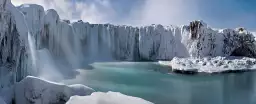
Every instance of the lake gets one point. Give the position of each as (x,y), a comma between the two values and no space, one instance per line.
(150,81)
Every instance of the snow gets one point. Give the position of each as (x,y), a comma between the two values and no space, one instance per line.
(254,34)
(34,16)
(32,90)
(106,98)
(80,42)
(211,64)
(2,101)
(7,94)
(106,42)
(14,62)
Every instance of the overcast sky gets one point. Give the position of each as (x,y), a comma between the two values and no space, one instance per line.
(216,13)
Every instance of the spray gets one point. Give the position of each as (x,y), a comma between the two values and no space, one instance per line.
(32,48)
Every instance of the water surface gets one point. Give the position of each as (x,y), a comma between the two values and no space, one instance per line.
(150,81)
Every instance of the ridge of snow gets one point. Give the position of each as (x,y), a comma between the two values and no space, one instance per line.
(39,91)
(106,98)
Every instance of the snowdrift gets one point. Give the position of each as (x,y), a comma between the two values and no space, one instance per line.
(106,98)
(32,90)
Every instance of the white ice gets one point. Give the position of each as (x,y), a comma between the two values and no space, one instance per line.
(211,65)
(106,98)
(32,90)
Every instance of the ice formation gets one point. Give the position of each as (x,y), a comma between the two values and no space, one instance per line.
(97,42)
(81,42)
(106,98)
(7,94)
(32,90)
(2,101)
(14,57)
(211,64)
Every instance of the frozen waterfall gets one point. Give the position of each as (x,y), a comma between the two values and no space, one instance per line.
(73,45)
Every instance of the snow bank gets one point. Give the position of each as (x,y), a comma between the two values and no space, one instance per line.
(211,65)
(106,98)
(32,90)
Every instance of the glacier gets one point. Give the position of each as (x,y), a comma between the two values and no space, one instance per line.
(72,44)
(97,42)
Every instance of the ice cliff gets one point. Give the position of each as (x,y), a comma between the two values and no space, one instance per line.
(155,42)
(81,42)
(14,57)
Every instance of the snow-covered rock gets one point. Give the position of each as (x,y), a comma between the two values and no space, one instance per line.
(32,90)
(211,65)
(106,98)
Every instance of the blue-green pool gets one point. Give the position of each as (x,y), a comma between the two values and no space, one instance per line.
(150,81)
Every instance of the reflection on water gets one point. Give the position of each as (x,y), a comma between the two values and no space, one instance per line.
(142,80)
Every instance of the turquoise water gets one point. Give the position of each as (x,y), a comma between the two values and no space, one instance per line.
(151,82)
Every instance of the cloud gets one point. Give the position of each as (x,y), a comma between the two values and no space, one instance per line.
(98,11)
(145,12)
(166,12)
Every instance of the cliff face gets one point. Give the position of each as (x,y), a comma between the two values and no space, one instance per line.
(81,42)
(14,56)
(155,42)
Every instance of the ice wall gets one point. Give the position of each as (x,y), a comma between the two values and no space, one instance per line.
(155,42)
(15,62)
(81,42)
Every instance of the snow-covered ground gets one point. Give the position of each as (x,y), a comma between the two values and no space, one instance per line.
(32,90)
(211,65)
(106,98)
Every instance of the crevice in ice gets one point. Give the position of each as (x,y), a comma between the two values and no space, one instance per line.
(195,28)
